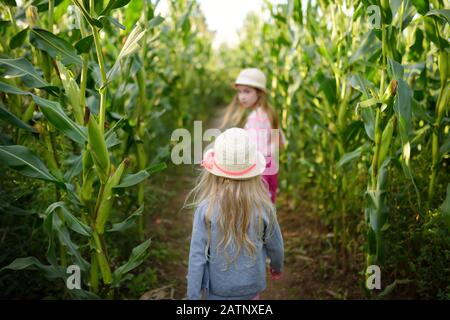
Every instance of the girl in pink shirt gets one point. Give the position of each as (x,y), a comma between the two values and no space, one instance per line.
(250,110)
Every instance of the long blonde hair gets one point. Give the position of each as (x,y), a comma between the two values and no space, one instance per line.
(237,201)
(236,115)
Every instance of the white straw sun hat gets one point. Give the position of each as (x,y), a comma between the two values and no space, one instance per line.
(252,77)
(234,156)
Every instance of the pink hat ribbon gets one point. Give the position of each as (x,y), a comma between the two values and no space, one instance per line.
(208,162)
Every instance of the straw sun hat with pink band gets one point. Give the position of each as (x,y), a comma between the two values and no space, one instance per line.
(234,156)
(252,77)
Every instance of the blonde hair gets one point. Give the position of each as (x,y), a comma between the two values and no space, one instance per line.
(236,115)
(237,201)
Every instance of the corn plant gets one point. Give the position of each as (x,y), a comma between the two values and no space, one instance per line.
(91,185)
(359,103)
(88,97)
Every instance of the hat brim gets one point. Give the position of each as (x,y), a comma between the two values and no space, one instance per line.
(250,85)
(256,171)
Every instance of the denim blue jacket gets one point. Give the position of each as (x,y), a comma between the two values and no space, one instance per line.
(242,279)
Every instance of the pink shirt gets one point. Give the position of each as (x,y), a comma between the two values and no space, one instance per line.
(259,127)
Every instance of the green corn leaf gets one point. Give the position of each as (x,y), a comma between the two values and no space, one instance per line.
(81,294)
(23,263)
(422,6)
(22,159)
(349,157)
(22,68)
(131,46)
(369,46)
(184,23)
(156,21)
(42,6)
(114,4)
(360,84)
(5,87)
(11,3)
(133,13)
(420,111)
(74,163)
(60,9)
(70,188)
(156,167)
(18,39)
(56,116)
(368,116)
(113,21)
(54,45)
(403,108)
(420,134)
(50,271)
(84,45)
(118,124)
(128,222)
(395,69)
(65,239)
(7,116)
(48,229)
(386,11)
(443,14)
(389,288)
(133,179)
(432,32)
(69,219)
(138,255)
(112,140)
(54,225)
(445,147)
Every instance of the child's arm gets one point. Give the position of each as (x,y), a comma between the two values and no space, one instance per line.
(197,259)
(275,249)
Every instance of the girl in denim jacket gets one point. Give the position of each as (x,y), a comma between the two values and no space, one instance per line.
(235,227)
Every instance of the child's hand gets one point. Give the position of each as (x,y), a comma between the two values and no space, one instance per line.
(274,275)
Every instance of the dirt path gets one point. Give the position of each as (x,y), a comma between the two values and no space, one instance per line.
(310,262)
(170,228)
(310,266)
